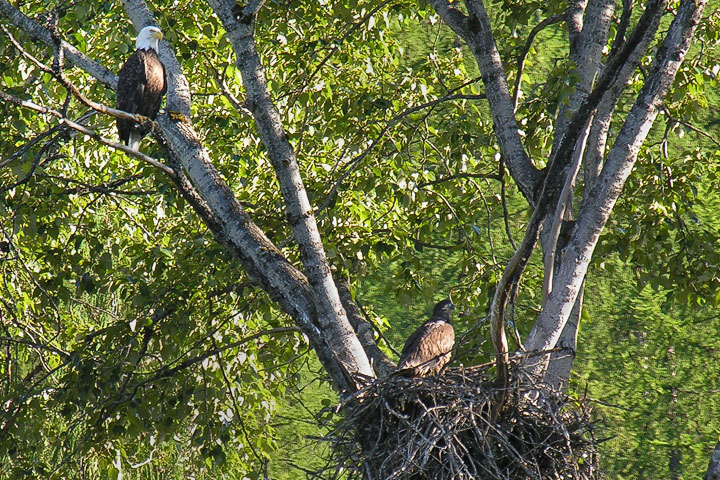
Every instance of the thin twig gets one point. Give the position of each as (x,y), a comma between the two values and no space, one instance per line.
(526,49)
(91,133)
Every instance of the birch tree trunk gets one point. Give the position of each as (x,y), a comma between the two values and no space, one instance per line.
(596,209)
(582,128)
(309,295)
(310,298)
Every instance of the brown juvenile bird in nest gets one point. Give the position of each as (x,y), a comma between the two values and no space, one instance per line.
(428,349)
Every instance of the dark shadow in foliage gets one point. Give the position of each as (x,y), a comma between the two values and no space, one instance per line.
(439,428)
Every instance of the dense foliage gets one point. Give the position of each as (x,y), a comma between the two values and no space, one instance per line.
(133,342)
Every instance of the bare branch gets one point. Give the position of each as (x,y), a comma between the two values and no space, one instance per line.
(622,28)
(339,42)
(86,131)
(503,199)
(382,365)
(690,126)
(36,345)
(38,32)
(563,206)
(526,49)
(479,38)
(104,188)
(458,176)
(167,371)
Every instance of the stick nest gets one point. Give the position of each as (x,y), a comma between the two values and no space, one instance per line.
(443,427)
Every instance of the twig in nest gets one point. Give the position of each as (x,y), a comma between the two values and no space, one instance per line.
(441,427)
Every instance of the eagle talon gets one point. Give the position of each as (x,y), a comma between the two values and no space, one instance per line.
(176,116)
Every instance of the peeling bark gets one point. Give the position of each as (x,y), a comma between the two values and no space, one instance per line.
(333,322)
(596,210)
(475,30)
(561,362)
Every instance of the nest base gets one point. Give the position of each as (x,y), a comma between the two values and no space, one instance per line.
(444,427)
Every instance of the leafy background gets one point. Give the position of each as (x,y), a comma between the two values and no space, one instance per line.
(113,285)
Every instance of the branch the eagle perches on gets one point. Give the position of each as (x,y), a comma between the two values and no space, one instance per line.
(310,296)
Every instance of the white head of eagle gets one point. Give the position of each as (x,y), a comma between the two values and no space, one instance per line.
(149,38)
(141,85)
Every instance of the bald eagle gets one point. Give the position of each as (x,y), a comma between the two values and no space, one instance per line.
(141,85)
(428,349)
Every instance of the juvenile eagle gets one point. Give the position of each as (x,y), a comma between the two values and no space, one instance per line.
(428,349)
(141,85)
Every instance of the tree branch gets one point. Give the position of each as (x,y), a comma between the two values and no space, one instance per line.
(585,53)
(334,325)
(458,176)
(352,164)
(477,32)
(214,200)
(622,28)
(574,18)
(37,345)
(229,222)
(178,89)
(91,133)
(170,371)
(563,205)
(381,363)
(600,128)
(38,32)
(596,210)
(526,49)
(557,172)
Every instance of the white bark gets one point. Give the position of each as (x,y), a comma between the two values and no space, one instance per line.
(596,210)
(585,51)
(213,200)
(476,31)
(561,362)
(588,24)
(597,142)
(574,19)
(179,100)
(335,327)
(564,206)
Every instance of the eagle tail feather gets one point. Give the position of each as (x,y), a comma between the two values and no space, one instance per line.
(134,141)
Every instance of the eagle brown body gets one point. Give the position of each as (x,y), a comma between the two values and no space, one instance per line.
(429,347)
(141,86)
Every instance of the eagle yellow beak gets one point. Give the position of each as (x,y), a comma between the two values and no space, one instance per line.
(158,34)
